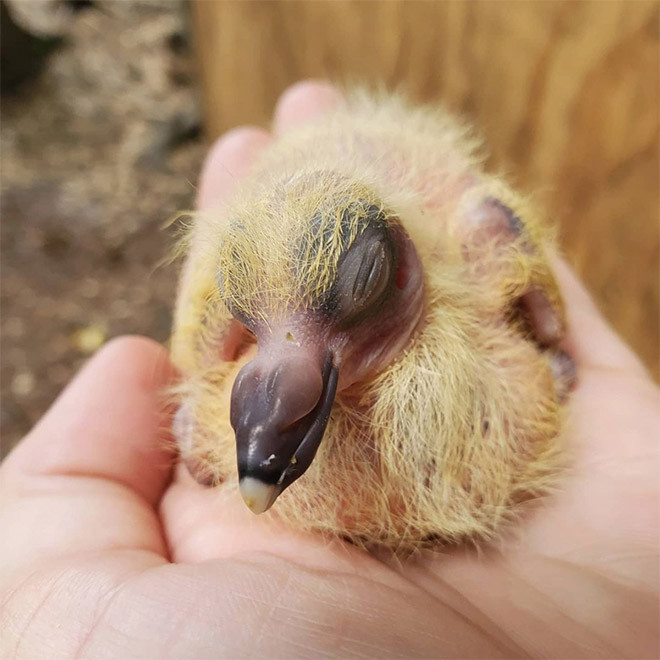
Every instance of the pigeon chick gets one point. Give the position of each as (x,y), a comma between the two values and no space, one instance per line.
(367,334)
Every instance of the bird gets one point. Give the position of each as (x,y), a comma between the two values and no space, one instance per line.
(368,334)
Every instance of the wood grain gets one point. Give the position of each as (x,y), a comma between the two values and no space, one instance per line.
(566,93)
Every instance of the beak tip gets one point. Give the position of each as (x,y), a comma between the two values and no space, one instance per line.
(257,495)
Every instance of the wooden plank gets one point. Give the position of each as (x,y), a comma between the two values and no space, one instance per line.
(567,95)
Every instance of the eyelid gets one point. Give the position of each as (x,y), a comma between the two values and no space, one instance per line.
(362,278)
(369,272)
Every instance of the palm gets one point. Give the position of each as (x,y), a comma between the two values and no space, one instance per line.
(243,586)
(596,534)
(105,554)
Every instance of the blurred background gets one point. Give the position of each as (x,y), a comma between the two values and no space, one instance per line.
(108,107)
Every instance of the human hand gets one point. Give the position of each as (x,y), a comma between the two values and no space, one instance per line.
(108,551)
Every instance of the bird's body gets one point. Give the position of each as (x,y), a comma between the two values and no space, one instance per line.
(447,410)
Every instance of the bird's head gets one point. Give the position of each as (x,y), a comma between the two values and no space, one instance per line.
(331,286)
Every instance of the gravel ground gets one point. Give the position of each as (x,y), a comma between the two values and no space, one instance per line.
(98,151)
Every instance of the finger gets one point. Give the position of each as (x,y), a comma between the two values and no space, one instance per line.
(214,523)
(206,523)
(229,159)
(108,423)
(89,474)
(590,340)
(304,101)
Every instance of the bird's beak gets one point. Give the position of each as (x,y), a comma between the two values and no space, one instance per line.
(280,408)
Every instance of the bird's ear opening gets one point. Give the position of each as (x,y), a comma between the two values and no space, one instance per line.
(235,341)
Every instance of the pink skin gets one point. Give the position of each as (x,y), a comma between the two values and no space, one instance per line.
(360,351)
(107,551)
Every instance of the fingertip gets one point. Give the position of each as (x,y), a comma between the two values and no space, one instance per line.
(229,158)
(590,339)
(149,358)
(573,289)
(235,142)
(304,101)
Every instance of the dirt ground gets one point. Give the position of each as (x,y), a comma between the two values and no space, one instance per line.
(98,151)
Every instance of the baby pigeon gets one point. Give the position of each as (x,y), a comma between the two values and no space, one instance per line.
(367,334)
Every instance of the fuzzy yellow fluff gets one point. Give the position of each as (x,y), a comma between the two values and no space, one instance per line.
(443,443)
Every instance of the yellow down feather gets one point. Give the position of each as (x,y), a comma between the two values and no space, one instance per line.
(466,423)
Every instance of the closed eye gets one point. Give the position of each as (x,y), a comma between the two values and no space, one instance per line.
(364,275)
